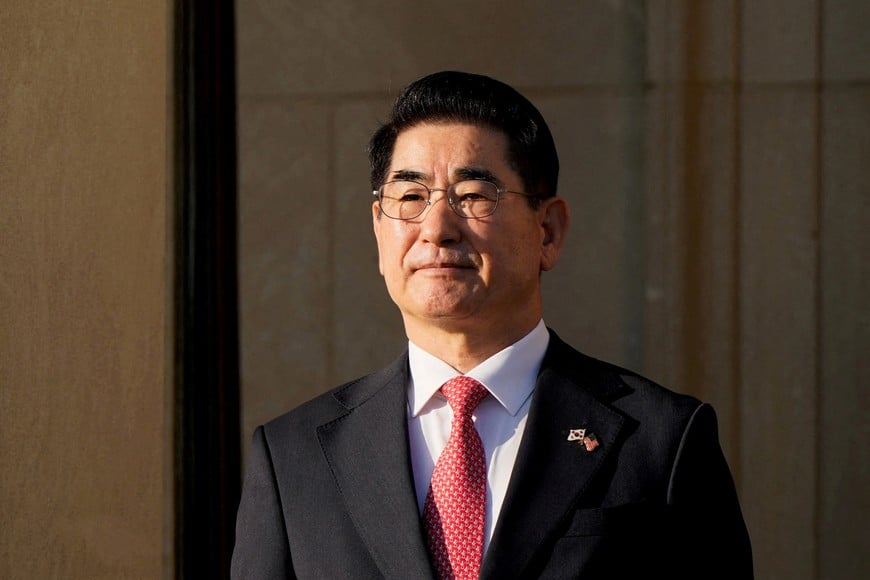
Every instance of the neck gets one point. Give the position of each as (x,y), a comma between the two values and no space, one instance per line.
(465,348)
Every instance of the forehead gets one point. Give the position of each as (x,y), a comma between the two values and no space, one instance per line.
(436,147)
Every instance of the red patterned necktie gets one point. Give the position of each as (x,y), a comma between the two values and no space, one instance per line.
(456,503)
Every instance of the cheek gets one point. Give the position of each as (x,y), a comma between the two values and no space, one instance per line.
(392,248)
(522,253)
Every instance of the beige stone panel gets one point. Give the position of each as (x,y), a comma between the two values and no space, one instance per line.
(779,319)
(779,40)
(83,275)
(844,411)
(591,297)
(317,46)
(367,331)
(663,286)
(285,228)
(691,39)
(690,255)
(711,269)
(846,41)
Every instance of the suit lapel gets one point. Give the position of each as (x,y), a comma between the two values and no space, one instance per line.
(368,453)
(551,473)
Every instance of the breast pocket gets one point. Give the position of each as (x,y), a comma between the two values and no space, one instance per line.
(612,542)
(620,520)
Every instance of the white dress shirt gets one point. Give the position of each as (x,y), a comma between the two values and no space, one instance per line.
(500,418)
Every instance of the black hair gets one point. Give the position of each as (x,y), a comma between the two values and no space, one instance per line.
(459,97)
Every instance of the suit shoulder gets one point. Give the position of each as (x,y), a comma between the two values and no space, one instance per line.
(337,401)
(617,385)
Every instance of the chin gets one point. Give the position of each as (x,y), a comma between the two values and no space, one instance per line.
(440,310)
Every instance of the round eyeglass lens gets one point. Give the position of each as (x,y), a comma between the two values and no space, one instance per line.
(403,200)
(474,198)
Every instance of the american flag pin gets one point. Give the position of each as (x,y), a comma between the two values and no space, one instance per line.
(585,438)
(590,442)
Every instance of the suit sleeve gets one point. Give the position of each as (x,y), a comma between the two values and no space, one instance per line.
(709,532)
(261,549)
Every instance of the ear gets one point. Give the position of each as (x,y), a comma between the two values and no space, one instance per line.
(376,226)
(555,220)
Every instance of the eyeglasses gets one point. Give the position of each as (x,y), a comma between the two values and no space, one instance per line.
(469,199)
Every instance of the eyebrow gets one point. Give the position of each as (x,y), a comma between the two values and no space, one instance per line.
(475,173)
(461,174)
(408,175)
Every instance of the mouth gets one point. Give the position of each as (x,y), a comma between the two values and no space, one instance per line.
(449,263)
(445,266)
(438,265)
(444,262)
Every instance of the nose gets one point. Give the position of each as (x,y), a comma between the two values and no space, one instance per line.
(440,225)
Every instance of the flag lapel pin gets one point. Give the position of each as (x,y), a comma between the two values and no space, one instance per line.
(576,434)
(586,439)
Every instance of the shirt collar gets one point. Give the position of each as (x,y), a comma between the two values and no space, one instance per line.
(509,374)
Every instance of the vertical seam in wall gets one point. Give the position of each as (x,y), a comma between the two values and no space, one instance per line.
(331,204)
(665,200)
(171,12)
(819,360)
(694,220)
(634,110)
(736,264)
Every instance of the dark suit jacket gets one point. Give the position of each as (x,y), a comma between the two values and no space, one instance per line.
(329,491)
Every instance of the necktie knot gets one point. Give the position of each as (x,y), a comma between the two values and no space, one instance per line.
(464,394)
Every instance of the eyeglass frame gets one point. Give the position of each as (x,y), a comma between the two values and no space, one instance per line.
(450,200)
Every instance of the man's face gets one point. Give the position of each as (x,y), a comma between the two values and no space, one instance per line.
(454,273)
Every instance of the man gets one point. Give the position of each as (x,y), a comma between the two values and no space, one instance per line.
(490,448)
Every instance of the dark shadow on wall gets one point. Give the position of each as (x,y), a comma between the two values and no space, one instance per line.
(206,423)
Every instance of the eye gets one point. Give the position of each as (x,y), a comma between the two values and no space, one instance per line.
(405,192)
(471,191)
(413,195)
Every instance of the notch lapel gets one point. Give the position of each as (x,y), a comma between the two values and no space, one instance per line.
(368,453)
(551,473)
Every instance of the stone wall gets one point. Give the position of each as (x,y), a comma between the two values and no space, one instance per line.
(84,450)
(713,155)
